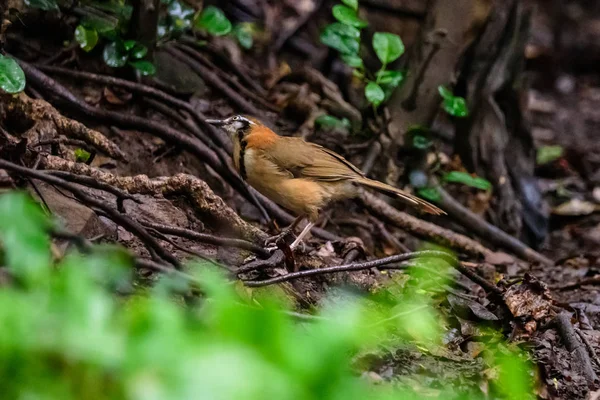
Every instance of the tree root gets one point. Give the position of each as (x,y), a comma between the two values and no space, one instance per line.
(422,228)
(204,200)
(43,120)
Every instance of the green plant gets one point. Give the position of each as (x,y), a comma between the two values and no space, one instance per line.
(547,154)
(328,122)
(12,77)
(119,53)
(467,179)
(82,155)
(181,18)
(68,335)
(345,37)
(453,105)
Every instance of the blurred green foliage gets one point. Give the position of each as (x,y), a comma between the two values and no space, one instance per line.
(67,333)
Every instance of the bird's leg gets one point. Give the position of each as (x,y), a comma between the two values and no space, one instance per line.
(304,232)
(284,232)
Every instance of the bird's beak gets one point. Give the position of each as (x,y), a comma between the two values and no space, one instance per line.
(216,122)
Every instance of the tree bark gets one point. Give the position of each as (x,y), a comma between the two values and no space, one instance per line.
(144,22)
(479,45)
(495,141)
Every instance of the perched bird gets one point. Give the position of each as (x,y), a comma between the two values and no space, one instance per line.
(300,176)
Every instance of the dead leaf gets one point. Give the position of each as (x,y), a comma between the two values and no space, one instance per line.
(530,299)
(576,207)
(475,348)
(499,258)
(460,305)
(596,194)
(115,97)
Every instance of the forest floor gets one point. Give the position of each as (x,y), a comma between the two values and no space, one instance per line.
(563,103)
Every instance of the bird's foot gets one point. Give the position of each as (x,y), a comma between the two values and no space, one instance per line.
(271,242)
(272,248)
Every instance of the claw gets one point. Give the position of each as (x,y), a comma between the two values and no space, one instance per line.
(274,239)
(271,249)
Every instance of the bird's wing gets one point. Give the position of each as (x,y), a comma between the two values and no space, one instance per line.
(308,160)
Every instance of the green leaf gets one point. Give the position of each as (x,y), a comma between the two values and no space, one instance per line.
(430,193)
(445,92)
(391,78)
(348,16)
(243,34)
(467,179)
(343,38)
(145,67)
(374,93)
(46,5)
(330,122)
(115,55)
(129,44)
(353,4)
(23,228)
(12,77)
(82,155)
(105,27)
(138,51)
(213,21)
(453,105)
(87,38)
(457,107)
(421,142)
(547,154)
(387,46)
(353,60)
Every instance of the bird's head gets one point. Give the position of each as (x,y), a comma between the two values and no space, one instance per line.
(237,125)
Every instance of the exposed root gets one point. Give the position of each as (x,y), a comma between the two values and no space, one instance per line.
(422,228)
(43,120)
(205,201)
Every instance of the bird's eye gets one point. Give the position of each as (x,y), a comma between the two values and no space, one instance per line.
(236,118)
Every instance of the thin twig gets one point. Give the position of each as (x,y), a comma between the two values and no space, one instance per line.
(206,238)
(381,263)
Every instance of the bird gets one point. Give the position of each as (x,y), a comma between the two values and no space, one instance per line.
(300,176)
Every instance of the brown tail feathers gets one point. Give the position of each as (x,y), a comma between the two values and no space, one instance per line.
(408,198)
